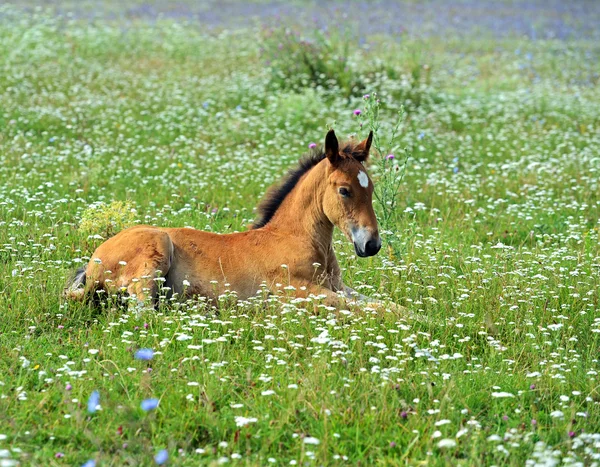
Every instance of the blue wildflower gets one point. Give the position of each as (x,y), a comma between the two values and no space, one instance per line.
(161,457)
(421,135)
(90,463)
(93,402)
(149,404)
(144,354)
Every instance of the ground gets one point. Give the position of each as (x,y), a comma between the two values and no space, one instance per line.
(183,116)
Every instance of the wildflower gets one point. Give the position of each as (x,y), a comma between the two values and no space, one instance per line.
(392,444)
(243,421)
(161,457)
(532,387)
(144,354)
(93,402)
(366,96)
(90,463)
(149,404)
(312,145)
(68,387)
(502,394)
(421,135)
(357,112)
(59,455)
(533,421)
(446,443)
(311,440)
(404,414)
(571,434)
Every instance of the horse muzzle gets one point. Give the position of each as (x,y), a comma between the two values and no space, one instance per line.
(365,243)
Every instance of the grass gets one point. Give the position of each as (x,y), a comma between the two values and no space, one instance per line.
(497,220)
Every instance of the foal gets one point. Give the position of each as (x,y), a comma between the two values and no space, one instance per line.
(294,229)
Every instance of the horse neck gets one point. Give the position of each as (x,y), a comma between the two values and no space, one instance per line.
(302,214)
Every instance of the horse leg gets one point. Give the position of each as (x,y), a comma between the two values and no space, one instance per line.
(352,298)
(145,273)
(131,261)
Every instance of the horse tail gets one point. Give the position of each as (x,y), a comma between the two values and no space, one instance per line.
(75,289)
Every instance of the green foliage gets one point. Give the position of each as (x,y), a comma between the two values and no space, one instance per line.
(107,219)
(325,59)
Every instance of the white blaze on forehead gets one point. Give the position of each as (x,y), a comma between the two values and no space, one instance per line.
(363,179)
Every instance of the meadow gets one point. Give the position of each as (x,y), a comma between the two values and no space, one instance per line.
(488,201)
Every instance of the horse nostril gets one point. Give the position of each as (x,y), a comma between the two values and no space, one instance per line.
(372,247)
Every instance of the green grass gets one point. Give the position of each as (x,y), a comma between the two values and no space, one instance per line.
(501,254)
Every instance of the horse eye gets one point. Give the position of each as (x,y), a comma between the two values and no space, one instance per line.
(344,192)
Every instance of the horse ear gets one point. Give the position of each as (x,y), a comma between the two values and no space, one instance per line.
(362,149)
(332,147)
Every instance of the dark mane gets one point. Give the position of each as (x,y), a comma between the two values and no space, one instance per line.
(275,196)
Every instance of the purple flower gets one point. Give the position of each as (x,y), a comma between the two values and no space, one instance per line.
(68,387)
(366,96)
(357,112)
(505,417)
(403,414)
(149,404)
(532,387)
(161,457)
(312,145)
(144,354)
(392,444)
(571,434)
(389,157)
(533,421)
(93,402)
(59,455)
